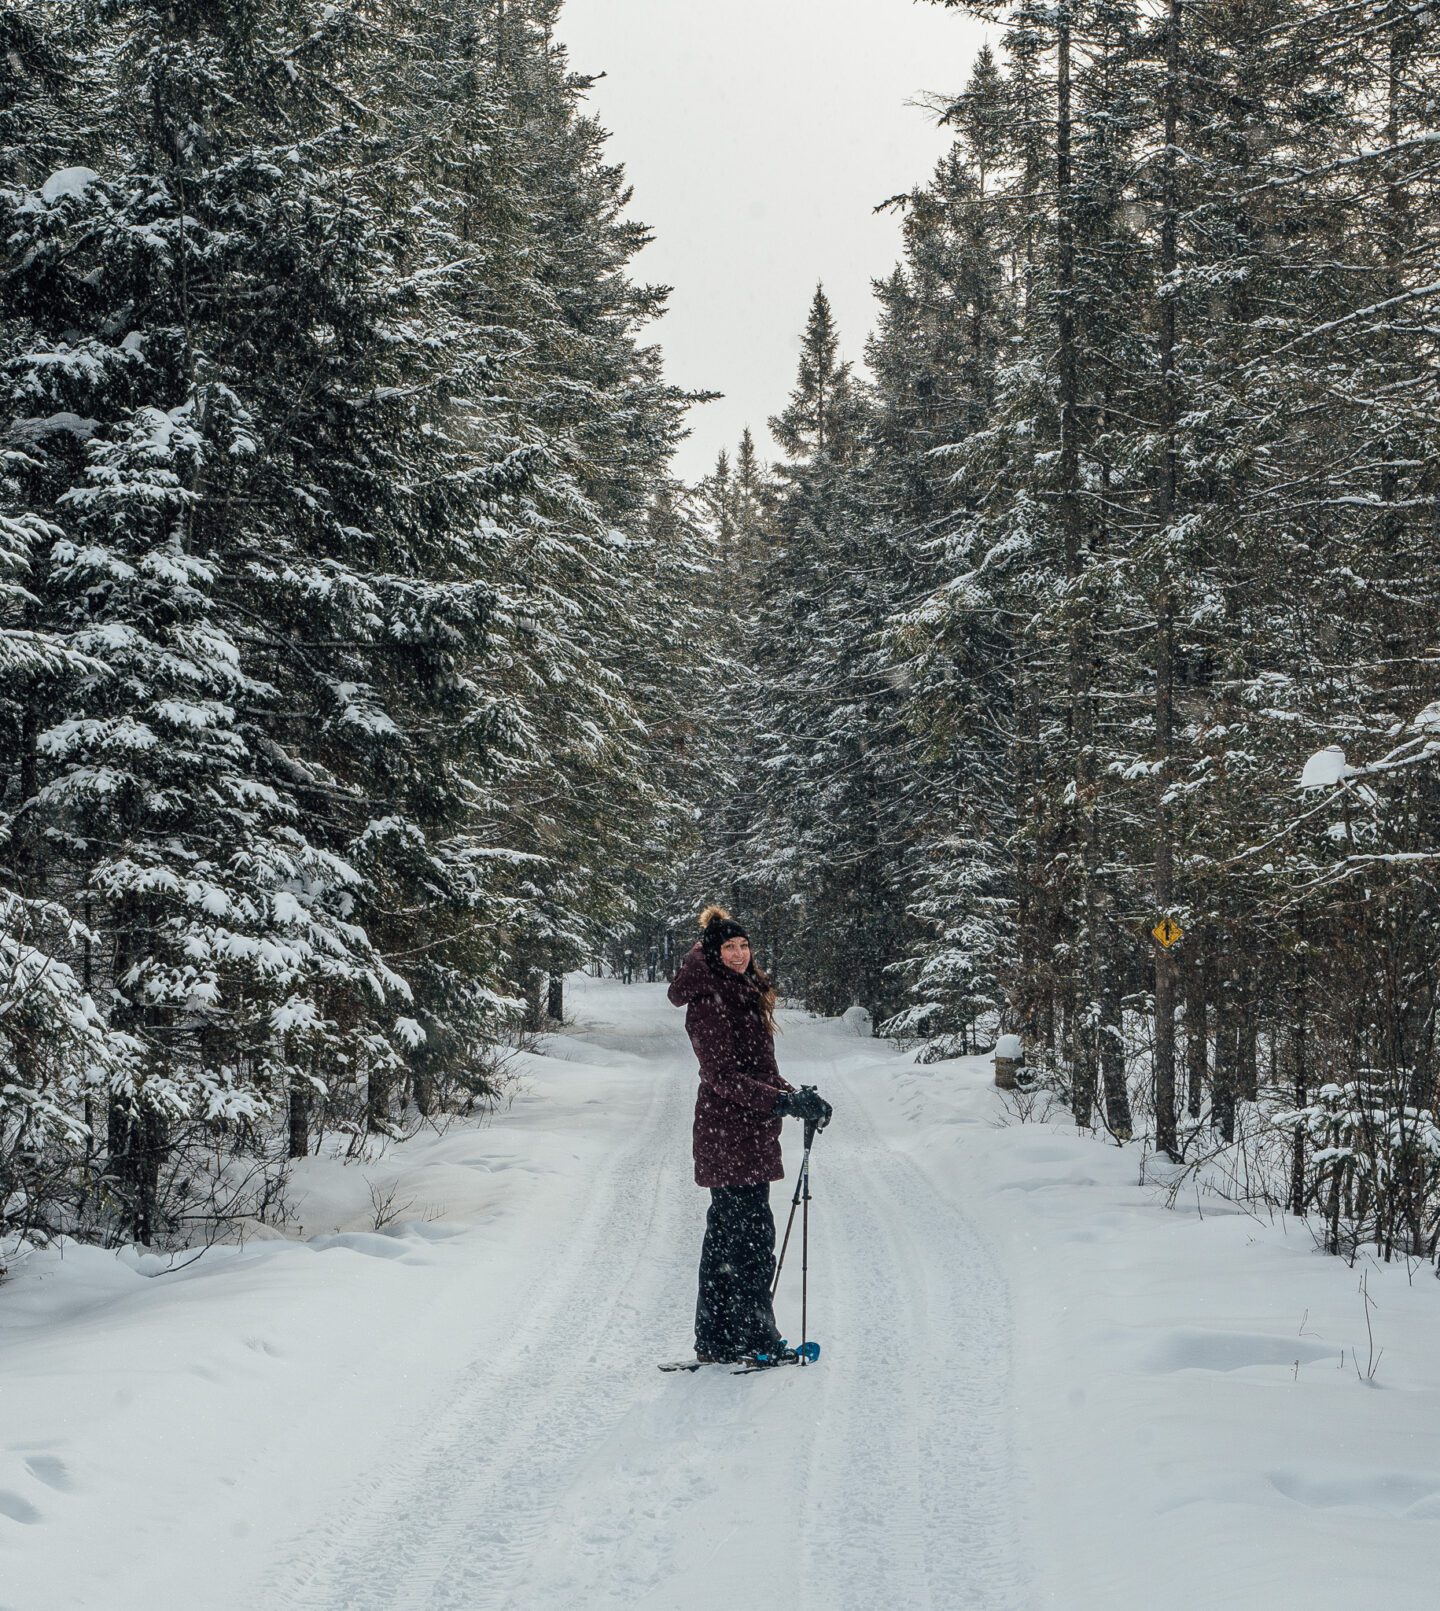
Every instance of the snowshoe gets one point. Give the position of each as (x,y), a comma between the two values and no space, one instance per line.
(697,1363)
(806,1354)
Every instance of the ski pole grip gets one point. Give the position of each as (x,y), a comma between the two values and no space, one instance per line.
(812,1126)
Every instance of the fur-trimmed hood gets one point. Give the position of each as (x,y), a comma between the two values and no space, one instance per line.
(699,976)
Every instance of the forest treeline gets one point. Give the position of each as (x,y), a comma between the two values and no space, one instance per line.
(338,611)
(363,667)
(1110,595)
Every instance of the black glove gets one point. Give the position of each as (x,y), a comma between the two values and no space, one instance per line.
(806,1104)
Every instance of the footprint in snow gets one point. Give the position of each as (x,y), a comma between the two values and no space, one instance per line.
(52,1472)
(18,1509)
(1396,1493)
(1230,1350)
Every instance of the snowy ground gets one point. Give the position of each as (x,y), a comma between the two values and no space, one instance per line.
(1040,1388)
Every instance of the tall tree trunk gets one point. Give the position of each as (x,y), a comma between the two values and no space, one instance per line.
(422,1085)
(138,1142)
(1227,1055)
(301,1098)
(1248,1057)
(1084,984)
(377,1101)
(1300,1079)
(1197,1027)
(150,1146)
(534,1016)
(1165,960)
(1112,1043)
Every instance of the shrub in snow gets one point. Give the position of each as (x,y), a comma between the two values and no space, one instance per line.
(1374,1162)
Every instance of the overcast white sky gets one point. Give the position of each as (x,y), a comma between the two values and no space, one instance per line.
(759,135)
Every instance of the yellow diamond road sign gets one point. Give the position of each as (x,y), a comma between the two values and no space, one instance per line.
(1168,932)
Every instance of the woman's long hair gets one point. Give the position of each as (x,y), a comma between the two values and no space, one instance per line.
(765,992)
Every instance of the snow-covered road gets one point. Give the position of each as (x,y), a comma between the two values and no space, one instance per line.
(1041,1389)
(563,1470)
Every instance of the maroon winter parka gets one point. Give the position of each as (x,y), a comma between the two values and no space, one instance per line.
(737,1142)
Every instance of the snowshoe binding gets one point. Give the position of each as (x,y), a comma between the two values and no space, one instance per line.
(747,1364)
(806,1354)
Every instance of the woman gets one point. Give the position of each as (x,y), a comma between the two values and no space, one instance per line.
(730,1018)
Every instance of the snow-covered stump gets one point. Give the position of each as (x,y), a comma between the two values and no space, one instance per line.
(1009,1056)
(858,1021)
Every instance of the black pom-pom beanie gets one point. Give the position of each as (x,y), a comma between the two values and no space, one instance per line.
(717,931)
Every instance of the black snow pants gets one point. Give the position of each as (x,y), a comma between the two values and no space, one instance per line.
(734,1316)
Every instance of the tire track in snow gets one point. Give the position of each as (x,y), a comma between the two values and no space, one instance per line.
(862,1519)
(913,1467)
(449,1523)
(565,1471)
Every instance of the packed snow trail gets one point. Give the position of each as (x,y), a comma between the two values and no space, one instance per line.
(438,1391)
(561,1469)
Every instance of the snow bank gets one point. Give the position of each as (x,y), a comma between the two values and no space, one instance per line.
(1198,1404)
(437,1386)
(167,1424)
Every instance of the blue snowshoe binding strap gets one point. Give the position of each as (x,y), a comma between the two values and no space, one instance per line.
(806,1354)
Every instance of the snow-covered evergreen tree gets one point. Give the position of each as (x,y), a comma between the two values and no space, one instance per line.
(1177,469)
(331,450)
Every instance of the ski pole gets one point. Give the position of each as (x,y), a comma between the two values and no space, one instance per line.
(802,1194)
(805,1246)
(802,1179)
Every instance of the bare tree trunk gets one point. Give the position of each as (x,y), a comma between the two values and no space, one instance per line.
(301,1095)
(1112,1045)
(1227,1055)
(422,1084)
(1165,960)
(1248,1058)
(377,1101)
(1084,985)
(1197,1029)
(137,1145)
(1300,1077)
(534,1017)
